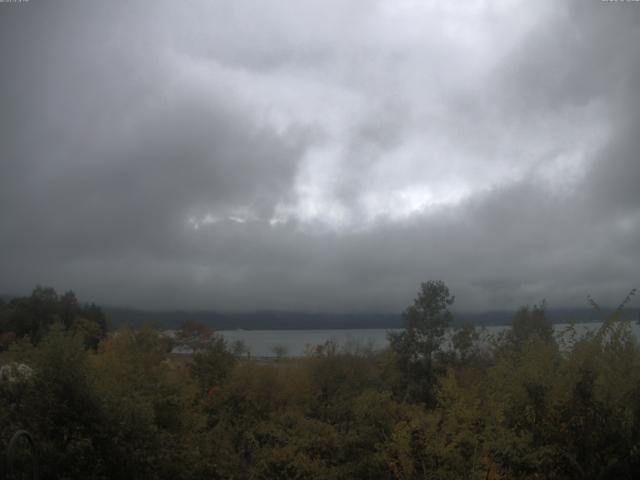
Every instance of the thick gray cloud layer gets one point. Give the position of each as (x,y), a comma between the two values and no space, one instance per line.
(320,155)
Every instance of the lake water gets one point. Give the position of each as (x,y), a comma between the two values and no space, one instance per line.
(262,342)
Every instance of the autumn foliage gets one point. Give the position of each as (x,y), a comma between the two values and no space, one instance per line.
(528,404)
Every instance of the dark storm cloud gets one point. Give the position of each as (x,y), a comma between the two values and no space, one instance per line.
(115,150)
(322,156)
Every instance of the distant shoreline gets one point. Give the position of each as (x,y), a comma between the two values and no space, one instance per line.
(269,320)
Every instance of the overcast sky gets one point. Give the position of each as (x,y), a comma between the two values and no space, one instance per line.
(320,155)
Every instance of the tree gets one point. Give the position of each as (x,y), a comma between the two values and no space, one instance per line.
(33,317)
(212,365)
(464,341)
(529,323)
(279,351)
(194,334)
(58,405)
(426,320)
(69,307)
(240,348)
(416,346)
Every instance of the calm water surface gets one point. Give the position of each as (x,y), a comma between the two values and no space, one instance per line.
(262,342)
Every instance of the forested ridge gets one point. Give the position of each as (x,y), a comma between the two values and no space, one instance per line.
(525,404)
(291,320)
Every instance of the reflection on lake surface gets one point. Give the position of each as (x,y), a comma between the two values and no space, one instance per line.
(262,342)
